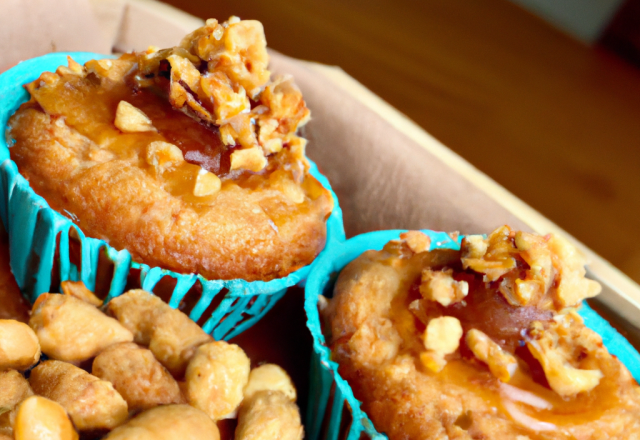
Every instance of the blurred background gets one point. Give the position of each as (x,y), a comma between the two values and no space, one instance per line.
(541,95)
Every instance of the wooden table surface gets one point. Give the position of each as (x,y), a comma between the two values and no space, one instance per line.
(554,121)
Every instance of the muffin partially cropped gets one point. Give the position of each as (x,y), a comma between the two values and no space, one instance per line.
(186,157)
(484,342)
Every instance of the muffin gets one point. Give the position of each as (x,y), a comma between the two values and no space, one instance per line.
(482,342)
(186,157)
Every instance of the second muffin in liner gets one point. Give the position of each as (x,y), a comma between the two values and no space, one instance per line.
(43,242)
(334,412)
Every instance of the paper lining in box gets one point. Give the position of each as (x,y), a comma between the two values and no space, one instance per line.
(34,230)
(333,412)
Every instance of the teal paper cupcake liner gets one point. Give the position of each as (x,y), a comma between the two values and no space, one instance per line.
(39,238)
(333,412)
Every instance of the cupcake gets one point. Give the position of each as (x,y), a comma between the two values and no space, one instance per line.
(188,157)
(479,339)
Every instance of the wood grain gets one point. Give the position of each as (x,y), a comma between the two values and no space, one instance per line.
(552,120)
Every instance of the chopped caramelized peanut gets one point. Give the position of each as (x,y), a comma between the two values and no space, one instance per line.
(441,287)
(130,119)
(501,363)
(474,246)
(269,377)
(227,101)
(239,129)
(573,287)
(534,250)
(417,241)
(443,335)
(561,349)
(163,156)
(244,58)
(73,69)
(497,260)
(215,73)
(78,289)
(206,184)
(285,113)
(185,83)
(251,159)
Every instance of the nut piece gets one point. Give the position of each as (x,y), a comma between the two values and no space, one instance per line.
(163,156)
(170,335)
(282,112)
(169,422)
(573,287)
(269,415)
(14,388)
(39,418)
(206,184)
(19,347)
(474,246)
(441,287)
(72,330)
(130,119)
(270,377)
(251,159)
(92,403)
(216,377)
(139,378)
(534,250)
(498,258)
(562,349)
(228,101)
(501,363)
(417,241)
(441,337)
(78,289)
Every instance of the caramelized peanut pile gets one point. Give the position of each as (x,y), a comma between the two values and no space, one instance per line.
(541,279)
(141,370)
(218,75)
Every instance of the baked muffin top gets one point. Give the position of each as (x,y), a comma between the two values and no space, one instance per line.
(187,157)
(479,343)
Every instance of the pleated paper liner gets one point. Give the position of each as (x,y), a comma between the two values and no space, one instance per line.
(47,248)
(333,412)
